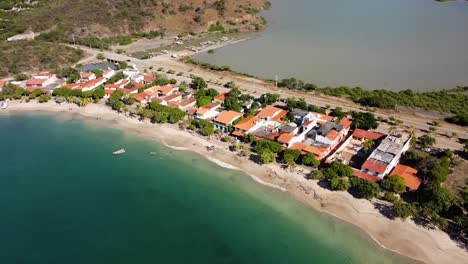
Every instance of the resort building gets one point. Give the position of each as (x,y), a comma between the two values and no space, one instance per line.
(41,80)
(226,119)
(93,84)
(220,98)
(412,181)
(271,113)
(247,126)
(87,76)
(322,137)
(187,103)
(352,151)
(108,73)
(170,100)
(386,156)
(145,79)
(207,112)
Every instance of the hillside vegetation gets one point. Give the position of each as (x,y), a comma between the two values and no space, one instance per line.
(25,56)
(101,23)
(91,18)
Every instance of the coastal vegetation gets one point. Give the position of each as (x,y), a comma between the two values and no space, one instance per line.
(431,205)
(25,56)
(449,101)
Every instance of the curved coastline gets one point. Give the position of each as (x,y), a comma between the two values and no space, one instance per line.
(440,249)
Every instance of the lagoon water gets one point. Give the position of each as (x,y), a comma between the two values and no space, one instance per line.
(64,198)
(375,44)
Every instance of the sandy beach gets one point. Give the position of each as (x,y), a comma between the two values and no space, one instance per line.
(405,238)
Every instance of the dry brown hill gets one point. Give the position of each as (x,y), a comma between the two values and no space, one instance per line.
(85,18)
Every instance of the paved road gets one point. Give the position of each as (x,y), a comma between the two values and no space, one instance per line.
(257,87)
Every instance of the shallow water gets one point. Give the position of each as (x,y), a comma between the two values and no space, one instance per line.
(375,44)
(65,198)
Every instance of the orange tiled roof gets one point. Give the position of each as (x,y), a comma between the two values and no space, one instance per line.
(92,83)
(227,117)
(279,116)
(34,81)
(221,97)
(173,105)
(142,96)
(172,97)
(165,89)
(374,165)
(148,78)
(285,138)
(268,112)
(365,176)
(247,123)
(364,134)
(345,122)
(72,86)
(44,74)
(202,110)
(409,174)
(86,74)
(317,151)
(323,118)
(188,102)
(333,135)
(2,83)
(30,90)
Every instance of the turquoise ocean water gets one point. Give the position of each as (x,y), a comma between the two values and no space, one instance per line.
(64,198)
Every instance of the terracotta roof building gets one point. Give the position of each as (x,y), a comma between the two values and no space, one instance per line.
(220,97)
(272,113)
(225,119)
(364,134)
(247,125)
(409,174)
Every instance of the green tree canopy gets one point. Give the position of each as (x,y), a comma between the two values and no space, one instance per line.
(395,184)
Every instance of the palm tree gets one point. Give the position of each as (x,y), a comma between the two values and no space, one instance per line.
(367,145)
(84,101)
(392,129)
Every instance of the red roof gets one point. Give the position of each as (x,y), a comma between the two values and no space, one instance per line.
(333,135)
(247,123)
(227,117)
(172,97)
(142,96)
(221,97)
(92,83)
(32,89)
(366,176)
(188,102)
(148,78)
(409,174)
(364,134)
(374,165)
(86,74)
(165,89)
(44,74)
(35,81)
(72,86)
(285,138)
(345,122)
(2,83)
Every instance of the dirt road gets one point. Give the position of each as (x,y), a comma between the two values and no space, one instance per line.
(256,87)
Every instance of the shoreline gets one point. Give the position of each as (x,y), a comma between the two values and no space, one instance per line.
(403,238)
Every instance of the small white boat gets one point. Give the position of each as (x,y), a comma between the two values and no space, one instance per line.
(152,153)
(118,152)
(3,105)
